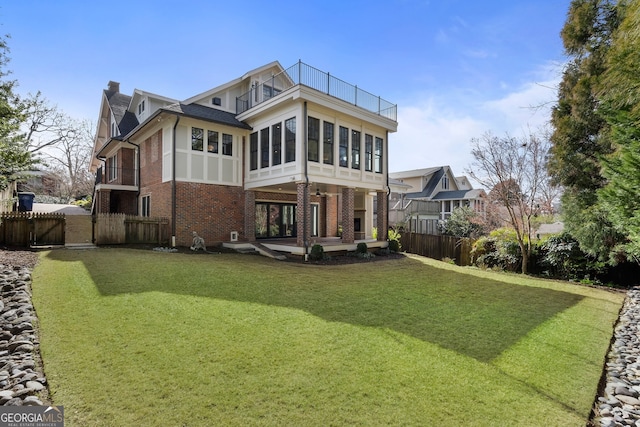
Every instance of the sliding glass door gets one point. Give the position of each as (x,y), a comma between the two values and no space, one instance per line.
(275,220)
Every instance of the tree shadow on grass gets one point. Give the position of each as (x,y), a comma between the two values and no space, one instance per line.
(474,316)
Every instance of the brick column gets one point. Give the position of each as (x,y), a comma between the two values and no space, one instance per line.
(250,215)
(382,223)
(348,234)
(104,201)
(302,206)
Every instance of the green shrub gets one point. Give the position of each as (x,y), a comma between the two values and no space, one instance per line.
(362,248)
(317,252)
(394,240)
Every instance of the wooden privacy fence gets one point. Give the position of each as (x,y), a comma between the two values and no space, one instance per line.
(114,229)
(26,229)
(438,247)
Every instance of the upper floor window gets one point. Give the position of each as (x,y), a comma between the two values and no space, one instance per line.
(313,136)
(227,144)
(276,144)
(445,183)
(355,149)
(197,139)
(368,152)
(377,160)
(264,148)
(344,147)
(327,149)
(112,168)
(253,151)
(212,141)
(141,107)
(269,92)
(114,130)
(290,140)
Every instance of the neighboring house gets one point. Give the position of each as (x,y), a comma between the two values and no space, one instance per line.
(273,154)
(431,194)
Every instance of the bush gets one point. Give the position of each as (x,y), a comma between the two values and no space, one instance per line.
(394,240)
(562,258)
(498,250)
(317,252)
(362,248)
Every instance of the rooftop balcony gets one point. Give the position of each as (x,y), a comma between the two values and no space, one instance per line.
(303,74)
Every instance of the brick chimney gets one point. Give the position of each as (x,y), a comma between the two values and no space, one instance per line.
(114,86)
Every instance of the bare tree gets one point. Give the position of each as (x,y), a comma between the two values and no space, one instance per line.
(63,146)
(514,169)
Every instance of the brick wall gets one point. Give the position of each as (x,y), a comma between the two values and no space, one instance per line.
(348,234)
(213,211)
(382,224)
(300,214)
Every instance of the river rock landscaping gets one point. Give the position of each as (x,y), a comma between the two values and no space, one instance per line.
(22,381)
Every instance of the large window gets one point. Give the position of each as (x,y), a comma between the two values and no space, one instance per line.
(368,153)
(197,139)
(276,144)
(313,140)
(264,148)
(253,151)
(327,149)
(355,149)
(275,220)
(344,147)
(377,160)
(290,140)
(212,141)
(227,144)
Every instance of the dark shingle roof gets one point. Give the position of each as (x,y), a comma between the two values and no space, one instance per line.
(431,185)
(119,103)
(201,112)
(451,195)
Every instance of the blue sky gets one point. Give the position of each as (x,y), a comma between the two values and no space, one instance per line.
(456,68)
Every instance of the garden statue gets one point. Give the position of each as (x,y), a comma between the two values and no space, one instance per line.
(198,243)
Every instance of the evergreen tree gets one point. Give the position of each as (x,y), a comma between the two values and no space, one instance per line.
(14,157)
(620,96)
(581,135)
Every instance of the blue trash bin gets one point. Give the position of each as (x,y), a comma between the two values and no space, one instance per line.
(25,202)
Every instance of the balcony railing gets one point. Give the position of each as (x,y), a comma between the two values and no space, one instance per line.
(303,74)
(116,176)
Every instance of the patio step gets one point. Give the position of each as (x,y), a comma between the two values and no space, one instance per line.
(268,252)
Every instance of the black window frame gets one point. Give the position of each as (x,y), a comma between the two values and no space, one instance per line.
(327,144)
(290,140)
(344,147)
(313,139)
(356,141)
(276,144)
(264,148)
(378,155)
(227,144)
(368,152)
(197,141)
(253,151)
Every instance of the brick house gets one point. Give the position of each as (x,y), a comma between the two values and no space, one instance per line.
(273,154)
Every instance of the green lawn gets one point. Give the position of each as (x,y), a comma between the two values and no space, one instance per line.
(132,337)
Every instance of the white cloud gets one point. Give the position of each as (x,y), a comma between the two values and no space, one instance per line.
(437,129)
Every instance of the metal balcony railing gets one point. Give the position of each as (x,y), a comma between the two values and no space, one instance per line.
(116,176)
(303,74)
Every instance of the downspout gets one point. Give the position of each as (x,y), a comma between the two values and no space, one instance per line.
(386,168)
(305,207)
(173,185)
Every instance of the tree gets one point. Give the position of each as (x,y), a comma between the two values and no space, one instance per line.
(63,145)
(620,97)
(14,158)
(515,170)
(463,222)
(580,135)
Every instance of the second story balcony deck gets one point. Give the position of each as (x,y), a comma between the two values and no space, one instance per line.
(303,74)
